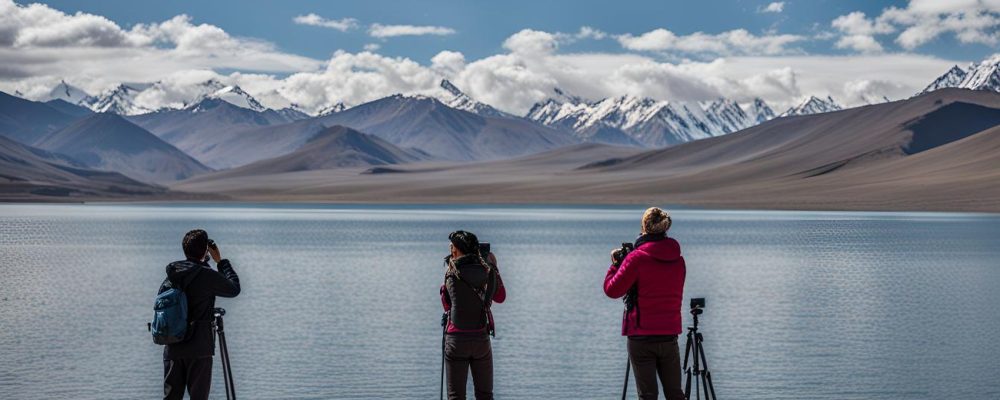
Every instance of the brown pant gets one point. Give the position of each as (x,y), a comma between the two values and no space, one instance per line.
(462,354)
(656,357)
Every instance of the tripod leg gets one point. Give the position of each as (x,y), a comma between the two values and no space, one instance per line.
(227,370)
(628,367)
(706,376)
(687,371)
(443,334)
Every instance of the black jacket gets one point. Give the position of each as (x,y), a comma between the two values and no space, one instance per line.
(201,289)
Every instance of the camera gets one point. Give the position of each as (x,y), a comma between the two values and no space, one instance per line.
(484,249)
(622,252)
(211,244)
(697,305)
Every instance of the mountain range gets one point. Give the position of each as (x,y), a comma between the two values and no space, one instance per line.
(223,132)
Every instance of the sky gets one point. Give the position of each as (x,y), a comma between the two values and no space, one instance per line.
(509,54)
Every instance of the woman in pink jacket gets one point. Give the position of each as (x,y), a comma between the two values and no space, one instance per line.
(653,277)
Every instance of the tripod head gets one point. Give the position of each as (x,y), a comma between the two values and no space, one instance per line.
(218,312)
(697,307)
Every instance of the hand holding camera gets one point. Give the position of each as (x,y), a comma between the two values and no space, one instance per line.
(213,250)
(618,255)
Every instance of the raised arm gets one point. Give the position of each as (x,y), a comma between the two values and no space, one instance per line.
(225,282)
(619,279)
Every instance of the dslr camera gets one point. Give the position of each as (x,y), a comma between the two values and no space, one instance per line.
(697,305)
(620,254)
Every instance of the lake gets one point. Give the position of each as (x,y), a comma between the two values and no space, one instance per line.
(341,301)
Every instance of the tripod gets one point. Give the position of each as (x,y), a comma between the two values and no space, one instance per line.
(700,370)
(227,370)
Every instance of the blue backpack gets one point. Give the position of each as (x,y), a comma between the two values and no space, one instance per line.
(170,315)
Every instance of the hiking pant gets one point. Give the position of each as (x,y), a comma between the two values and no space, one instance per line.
(462,354)
(193,373)
(652,357)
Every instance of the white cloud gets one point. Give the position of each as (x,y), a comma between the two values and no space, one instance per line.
(528,41)
(386,31)
(774,7)
(921,21)
(737,41)
(372,46)
(343,24)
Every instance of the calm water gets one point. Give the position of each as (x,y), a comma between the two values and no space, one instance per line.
(341,301)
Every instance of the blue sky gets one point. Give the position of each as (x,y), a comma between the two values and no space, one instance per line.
(482,26)
(509,54)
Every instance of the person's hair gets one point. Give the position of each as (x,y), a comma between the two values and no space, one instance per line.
(195,244)
(468,244)
(655,220)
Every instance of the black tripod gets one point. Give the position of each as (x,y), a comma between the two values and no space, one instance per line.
(227,370)
(444,333)
(700,370)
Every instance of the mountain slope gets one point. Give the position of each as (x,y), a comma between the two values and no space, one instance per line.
(26,121)
(108,142)
(204,126)
(68,108)
(458,100)
(429,125)
(31,174)
(334,147)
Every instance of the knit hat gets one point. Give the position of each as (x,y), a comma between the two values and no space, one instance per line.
(655,221)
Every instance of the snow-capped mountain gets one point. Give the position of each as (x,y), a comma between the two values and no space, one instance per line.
(70,94)
(952,78)
(457,99)
(813,105)
(984,75)
(238,97)
(120,100)
(650,122)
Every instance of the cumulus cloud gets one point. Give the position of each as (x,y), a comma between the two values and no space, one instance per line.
(99,54)
(921,21)
(343,24)
(774,7)
(734,42)
(386,31)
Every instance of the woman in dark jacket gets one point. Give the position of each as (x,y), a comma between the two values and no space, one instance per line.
(471,284)
(654,272)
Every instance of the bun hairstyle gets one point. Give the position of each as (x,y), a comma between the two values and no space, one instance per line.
(655,221)
(468,244)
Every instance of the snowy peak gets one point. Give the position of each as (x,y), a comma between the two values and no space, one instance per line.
(650,122)
(236,96)
(983,76)
(69,93)
(760,111)
(952,78)
(120,100)
(457,99)
(813,105)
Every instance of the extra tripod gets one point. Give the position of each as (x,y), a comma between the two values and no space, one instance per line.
(700,368)
(227,370)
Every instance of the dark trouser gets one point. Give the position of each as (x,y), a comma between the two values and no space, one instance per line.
(654,357)
(193,373)
(462,354)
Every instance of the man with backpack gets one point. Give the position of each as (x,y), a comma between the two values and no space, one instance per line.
(471,284)
(187,358)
